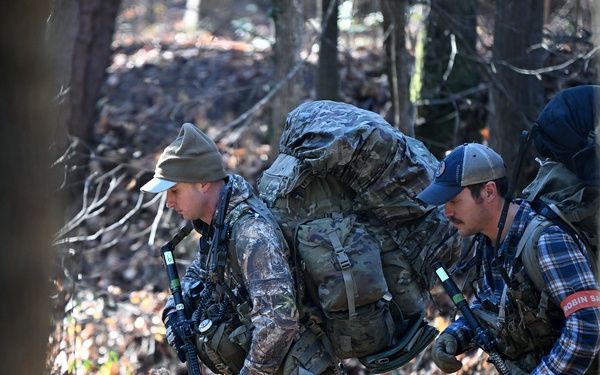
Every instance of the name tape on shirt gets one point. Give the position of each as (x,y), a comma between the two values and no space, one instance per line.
(580,300)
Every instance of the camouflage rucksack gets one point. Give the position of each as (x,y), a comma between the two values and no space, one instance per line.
(343,190)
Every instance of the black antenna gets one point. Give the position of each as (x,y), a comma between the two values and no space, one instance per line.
(183,326)
(482,337)
(525,141)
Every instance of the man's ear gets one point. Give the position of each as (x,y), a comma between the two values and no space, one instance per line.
(489,191)
(203,186)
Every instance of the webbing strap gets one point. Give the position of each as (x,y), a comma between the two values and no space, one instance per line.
(536,225)
(305,314)
(346,266)
(317,366)
(525,249)
(568,222)
(310,324)
(215,358)
(543,305)
(309,353)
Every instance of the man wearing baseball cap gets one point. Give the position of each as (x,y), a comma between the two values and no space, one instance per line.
(466,167)
(190,171)
(533,333)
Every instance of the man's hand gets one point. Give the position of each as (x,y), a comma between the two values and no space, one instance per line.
(173,337)
(443,353)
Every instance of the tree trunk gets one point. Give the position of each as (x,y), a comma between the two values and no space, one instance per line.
(596,61)
(191,16)
(29,214)
(287,15)
(448,71)
(400,64)
(595,9)
(328,73)
(515,98)
(81,32)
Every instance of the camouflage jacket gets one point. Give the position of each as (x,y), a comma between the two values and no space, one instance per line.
(263,263)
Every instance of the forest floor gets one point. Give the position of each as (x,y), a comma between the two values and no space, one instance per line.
(112,286)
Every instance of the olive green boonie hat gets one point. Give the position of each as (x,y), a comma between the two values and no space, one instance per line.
(191,157)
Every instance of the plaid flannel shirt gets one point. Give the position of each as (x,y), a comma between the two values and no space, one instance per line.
(565,269)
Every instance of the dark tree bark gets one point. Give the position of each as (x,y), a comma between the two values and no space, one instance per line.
(287,15)
(328,77)
(448,71)
(29,213)
(81,32)
(400,64)
(596,41)
(515,97)
(596,32)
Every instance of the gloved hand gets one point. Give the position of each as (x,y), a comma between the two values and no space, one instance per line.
(173,337)
(443,353)
(514,369)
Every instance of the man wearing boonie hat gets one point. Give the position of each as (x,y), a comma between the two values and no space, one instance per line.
(533,333)
(191,172)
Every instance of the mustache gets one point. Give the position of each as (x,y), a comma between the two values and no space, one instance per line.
(454,220)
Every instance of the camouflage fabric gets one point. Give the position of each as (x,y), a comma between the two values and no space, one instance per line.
(530,327)
(337,158)
(316,199)
(263,261)
(348,273)
(369,332)
(309,354)
(359,148)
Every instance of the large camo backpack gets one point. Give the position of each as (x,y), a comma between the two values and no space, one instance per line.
(343,189)
(565,190)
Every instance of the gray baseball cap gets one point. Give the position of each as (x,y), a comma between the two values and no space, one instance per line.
(468,164)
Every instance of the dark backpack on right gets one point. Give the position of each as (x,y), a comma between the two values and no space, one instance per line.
(565,190)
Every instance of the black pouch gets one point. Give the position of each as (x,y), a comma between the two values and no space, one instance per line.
(370,331)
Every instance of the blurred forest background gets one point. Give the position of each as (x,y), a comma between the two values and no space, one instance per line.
(94,90)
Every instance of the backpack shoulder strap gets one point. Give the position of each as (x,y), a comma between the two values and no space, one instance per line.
(526,249)
(529,256)
(564,221)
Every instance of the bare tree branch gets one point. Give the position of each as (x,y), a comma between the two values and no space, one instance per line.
(537,72)
(245,118)
(454,97)
(159,213)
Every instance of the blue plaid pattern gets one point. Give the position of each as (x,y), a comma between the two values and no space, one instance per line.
(565,269)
